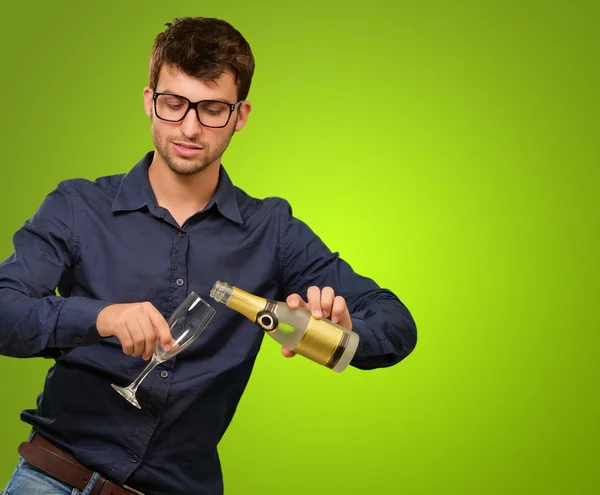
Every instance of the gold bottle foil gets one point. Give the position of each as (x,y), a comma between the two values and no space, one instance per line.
(245,303)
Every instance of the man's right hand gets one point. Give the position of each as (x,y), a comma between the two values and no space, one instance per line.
(138,326)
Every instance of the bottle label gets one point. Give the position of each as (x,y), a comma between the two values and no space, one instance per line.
(322,343)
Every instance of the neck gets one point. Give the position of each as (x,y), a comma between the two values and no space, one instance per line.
(182,195)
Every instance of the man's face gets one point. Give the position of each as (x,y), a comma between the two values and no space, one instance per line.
(187,147)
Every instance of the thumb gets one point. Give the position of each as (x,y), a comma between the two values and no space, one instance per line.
(287,353)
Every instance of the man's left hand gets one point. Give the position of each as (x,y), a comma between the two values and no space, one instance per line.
(321,303)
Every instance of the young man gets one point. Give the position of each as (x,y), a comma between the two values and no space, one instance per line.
(125,250)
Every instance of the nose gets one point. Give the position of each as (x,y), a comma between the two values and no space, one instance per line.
(190,125)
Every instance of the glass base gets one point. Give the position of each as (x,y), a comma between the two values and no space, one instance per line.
(128,394)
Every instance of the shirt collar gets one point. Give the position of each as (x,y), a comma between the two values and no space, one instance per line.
(135,192)
(225,198)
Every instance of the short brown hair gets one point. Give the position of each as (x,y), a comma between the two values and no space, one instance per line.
(203,47)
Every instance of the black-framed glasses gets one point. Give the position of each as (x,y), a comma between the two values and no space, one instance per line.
(210,113)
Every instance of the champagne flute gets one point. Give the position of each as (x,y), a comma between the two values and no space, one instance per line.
(187,323)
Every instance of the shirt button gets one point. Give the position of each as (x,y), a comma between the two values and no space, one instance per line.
(179,282)
(181,234)
(78,339)
(365,347)
(134,459)
(164,374)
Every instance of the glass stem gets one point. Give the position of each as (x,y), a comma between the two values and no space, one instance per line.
(154,362)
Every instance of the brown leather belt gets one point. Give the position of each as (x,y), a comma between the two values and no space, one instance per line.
(51,460)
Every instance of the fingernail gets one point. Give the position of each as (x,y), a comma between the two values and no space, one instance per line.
(335,319)
(167,348)
(316,312)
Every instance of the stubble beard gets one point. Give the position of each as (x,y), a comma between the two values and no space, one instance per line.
(189,166)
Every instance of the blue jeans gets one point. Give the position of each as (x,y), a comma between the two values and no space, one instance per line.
(28,480)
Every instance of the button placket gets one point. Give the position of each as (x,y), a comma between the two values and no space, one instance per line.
(180,247)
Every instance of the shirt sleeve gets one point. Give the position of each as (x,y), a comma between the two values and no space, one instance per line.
(34,321)
(385,326)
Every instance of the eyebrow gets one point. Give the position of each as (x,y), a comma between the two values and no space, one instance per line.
(224,100)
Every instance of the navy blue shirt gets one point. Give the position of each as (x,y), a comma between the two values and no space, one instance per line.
(108,241)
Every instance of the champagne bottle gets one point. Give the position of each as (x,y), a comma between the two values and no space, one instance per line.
(321,341)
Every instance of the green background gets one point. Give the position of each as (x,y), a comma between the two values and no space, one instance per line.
(449,150)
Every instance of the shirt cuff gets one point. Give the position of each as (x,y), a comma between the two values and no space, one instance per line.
(367,345)
(371,351)
(77,322)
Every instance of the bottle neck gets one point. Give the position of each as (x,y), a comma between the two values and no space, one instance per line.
(245,303)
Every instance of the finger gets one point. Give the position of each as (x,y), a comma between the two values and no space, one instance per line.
(340,313)
(149,335)
(137,336)
(294,301)
(287,353)
(339,306)
(161,328)
(327,297)
(314,301)
(126,341)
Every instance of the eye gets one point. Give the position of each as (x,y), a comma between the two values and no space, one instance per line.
(214,110)
(171,101)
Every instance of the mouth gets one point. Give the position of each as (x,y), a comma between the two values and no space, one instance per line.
(186,149)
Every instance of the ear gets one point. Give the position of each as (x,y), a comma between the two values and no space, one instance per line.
(243,112)
(148,93)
